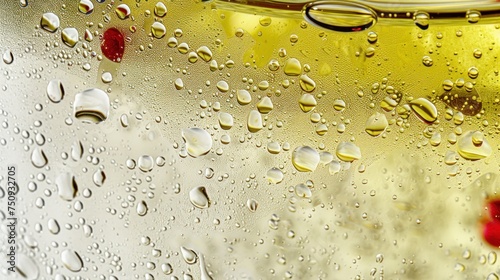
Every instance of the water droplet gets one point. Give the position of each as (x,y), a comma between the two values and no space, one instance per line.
(222,86)
(306,83)
(347,151)
(372,37)
(265,105)
(473,72)
(76,150)
(473,16)
(53,226)
(86,6)
(199,198)
(447,85)
(473,146)
(66,186)
(198,141)
(305,159)
(292,67)
(166,268)
(179,84)
(23,3)
(254,122)
(113,44)
(301,190)
(274,175)
(38,158)
(205,53)
(71,260)
(307,102)
(435,139)
(252,205)
(158,30)
(183,48)
(243,97)
(339,105)
(27,267)
(160,9)
(106,77)
(427,61)
(421,20)
(376,124)
(225,120)
(123,11)
(55,91)
(91,106)
(145,163)
(424,109)
(477,53)
(273,65)
(99,177)
(189,255)
(203,269)
(340,16)
(265,21)
(50,22)
(142,208)
(492,276)
(8,57)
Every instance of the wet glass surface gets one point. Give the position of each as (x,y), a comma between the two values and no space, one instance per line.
(196,140)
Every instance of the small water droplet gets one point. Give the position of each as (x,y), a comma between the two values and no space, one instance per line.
(222,86)
(205,53)
(307,84)
(91,106)
(71,260)
(53,226)
(339,105)
(55,91)
(38,157)
(225,120)
(199,197)
(473,16)
(307,102)
(274,175)
(66,186)
(76,150)
(50,22)
(198,141)
(106,77)
(99,177)
(473,72)
(301,190)
(252,205)
(427,61)
(372,37)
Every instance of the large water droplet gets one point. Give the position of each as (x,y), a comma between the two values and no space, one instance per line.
(142,208)
(225,120)
(160,9)
(243,97)
(189,255)
(347,151)
(71,260)
(99,177)
(424,109)
(340,16)
(265,105)
(145,163)
(199,198)
(307,84)
(69,36)
(292,67)
(305,159)
(307,102)
(85,6)
(76,150)
(254,121)
(198,141)
(158,30)
(53,226)
(91,106)
(473,146)
(205,53)
(122,11)
(274,175)
(55,91)
(376,124)
(301,190)
(38,157)
(421,20)
(66,186)
(27,267)
(8,57)
(50,22)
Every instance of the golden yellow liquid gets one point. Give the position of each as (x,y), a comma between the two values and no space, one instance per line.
(351,165)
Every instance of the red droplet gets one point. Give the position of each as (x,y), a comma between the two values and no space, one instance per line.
(491,233)
(113,44)
(494,209)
